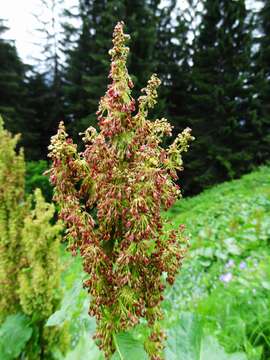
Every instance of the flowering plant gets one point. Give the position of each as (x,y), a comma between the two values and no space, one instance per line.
(111,197)
(12,212)
(29,262)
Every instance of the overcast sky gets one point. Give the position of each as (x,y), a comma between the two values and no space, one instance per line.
(22,23)
(20,20)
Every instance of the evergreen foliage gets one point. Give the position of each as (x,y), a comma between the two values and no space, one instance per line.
(220,112)
(87,61)
(39,121)
(173,57)
(12,85)
(261,96)
(44,84)
(212,59)
(111,197)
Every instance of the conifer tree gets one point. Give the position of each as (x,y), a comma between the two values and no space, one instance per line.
(220,115)
(87,62)
(40,103)
(173,56)
(48,19)
(261,99)
(44,84)
(12,86)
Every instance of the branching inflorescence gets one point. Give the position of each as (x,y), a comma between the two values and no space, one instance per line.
(111,197)
(29,255)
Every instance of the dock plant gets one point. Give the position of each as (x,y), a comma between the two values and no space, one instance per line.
(29,262)
(111,197)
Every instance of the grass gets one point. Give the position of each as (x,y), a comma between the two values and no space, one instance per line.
(225,280)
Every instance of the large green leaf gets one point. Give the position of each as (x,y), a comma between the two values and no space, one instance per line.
(72,304)
(212,350)
(128,348)
(14,334)
(85,349)
(186,341)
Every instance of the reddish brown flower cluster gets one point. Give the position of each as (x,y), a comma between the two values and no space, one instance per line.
(111,197)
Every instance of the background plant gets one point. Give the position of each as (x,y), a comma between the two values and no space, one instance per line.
(29,262)
(12,211)
(35,178)
(39,278)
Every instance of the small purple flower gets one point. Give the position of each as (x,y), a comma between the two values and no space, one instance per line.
(242,265)
(226,277)
(230,263)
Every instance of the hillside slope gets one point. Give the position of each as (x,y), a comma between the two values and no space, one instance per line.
(225,279)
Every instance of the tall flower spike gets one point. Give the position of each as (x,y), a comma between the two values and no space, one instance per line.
(111,197)
(120,50)
(117,104)
(149,100)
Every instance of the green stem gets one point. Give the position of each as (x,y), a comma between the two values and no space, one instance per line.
(117,347)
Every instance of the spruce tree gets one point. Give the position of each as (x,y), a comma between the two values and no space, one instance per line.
(173,56)
(30,100)
(37,124)
(12,87)
(261,99)
(44,84)
(85,65)
(221,115)
(87,61)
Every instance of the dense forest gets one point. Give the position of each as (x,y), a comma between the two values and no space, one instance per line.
(213,59)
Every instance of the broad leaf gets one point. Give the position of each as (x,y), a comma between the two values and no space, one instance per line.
(14,334)
(186,341)
(128,348)
(212,350)
(85,349)
(72,304)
